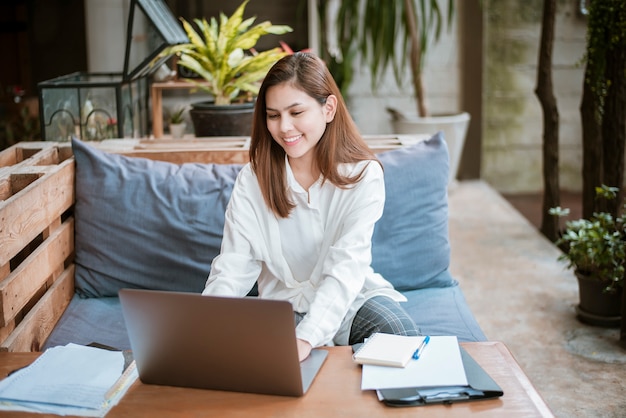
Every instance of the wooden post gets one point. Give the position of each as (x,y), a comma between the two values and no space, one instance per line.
(622,334)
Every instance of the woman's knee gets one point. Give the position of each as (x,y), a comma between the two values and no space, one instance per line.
(381,314)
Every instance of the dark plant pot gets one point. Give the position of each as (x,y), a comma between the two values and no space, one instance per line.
(230,120)
(597,307)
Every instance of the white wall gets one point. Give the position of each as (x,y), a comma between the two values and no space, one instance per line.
(106,24)
(441,80)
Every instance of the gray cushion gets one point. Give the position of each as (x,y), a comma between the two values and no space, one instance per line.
(151,224)
(437,311)
(146,224)
(443,311)
(92,320)
(410,246)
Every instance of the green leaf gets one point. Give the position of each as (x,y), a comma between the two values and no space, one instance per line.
(217,52)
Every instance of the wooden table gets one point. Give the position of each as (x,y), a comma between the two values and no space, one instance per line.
(334,393)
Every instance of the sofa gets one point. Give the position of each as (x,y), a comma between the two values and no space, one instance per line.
(145,223)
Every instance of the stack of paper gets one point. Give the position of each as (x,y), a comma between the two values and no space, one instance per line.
(69,380)
(439,365)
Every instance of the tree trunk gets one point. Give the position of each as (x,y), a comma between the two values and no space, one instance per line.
(614,125)
(592,147)
(545,94)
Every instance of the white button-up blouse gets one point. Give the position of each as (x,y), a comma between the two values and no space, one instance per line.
(319,258)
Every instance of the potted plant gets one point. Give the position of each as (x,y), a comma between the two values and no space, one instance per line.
(177,122)
(596,249)
(222,53)
(395,36)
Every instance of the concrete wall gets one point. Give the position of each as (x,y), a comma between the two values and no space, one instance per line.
(512,117)
(513,126)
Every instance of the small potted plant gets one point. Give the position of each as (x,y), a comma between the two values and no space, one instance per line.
(222,53)
(596,249)
(177,122)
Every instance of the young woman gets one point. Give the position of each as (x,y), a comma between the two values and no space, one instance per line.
(302,213)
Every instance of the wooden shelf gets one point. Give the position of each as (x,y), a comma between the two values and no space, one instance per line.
(156,93)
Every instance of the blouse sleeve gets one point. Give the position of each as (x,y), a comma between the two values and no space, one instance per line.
(348,261)
(235,270)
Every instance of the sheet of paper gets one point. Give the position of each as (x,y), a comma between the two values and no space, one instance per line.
(67,379)
(439,365)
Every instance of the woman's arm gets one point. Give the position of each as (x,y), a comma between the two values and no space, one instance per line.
(235,270)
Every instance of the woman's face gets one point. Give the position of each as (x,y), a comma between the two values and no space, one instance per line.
(296,120)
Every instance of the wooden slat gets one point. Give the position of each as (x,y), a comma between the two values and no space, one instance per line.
(192,156)
(32,332)
(18,289)
(9,157)
(6,331)
(32,153)
(30,211)
(219,150)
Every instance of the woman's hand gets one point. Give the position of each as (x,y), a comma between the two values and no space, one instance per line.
(304,349)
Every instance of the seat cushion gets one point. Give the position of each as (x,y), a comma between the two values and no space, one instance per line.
(443,311)
(410,246)
(91,320)
(437,311)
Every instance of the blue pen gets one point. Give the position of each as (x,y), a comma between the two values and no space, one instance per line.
(420,349)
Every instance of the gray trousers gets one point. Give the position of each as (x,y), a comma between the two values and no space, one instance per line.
(381,314)
(378,314)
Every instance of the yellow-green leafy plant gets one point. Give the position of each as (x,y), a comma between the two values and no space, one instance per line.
(222,53)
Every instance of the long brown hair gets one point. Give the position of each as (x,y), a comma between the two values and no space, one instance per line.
(340,143)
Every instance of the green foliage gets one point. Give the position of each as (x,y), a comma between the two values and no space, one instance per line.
(176,116)
(222,53)
(596,246)
(606,31)
(365,26)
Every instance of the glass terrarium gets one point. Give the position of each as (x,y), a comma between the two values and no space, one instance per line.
(97,106)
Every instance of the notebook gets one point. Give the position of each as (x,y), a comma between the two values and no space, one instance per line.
(208,342)
(388,350)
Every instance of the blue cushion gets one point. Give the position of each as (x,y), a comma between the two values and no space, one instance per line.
(443,311)
(152,224)
(410,246)
(92,320)
(146,224)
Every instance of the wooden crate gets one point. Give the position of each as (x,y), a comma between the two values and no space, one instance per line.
(36,242)
(222,150)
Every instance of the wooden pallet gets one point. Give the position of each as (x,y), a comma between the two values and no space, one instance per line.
(36,242)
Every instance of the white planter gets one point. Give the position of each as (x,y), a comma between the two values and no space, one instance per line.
(177,130)
(454,128)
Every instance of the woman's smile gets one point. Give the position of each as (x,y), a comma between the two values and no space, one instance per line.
(292,140)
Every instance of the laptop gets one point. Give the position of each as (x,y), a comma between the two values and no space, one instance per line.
(208,342)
